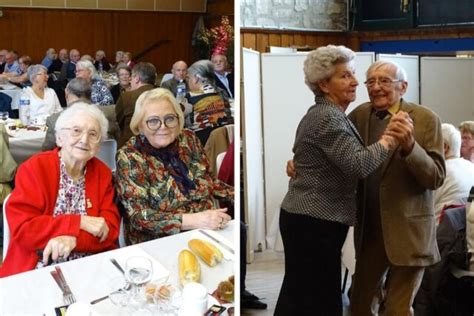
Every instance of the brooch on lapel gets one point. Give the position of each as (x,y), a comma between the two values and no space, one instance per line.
(89,203)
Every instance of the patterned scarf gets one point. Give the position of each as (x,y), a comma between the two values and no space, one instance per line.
(169,156)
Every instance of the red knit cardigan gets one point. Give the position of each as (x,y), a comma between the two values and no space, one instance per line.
(31,206)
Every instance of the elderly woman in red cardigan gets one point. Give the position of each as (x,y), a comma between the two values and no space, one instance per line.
(62,204)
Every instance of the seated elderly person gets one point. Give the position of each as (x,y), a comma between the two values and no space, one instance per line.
(100,62)
(459,173)
(79,90)
(43,100)
(125,75)
(22,78)
(209,109)
(467,145)
(63,201)
(100,93)
(163,177)
(7,165)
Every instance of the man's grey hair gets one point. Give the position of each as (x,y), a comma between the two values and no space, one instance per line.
(320,64)
(203,70)
(80,88)
(34,70)
(400,73)
(146,72)
(68,116)
(452,138)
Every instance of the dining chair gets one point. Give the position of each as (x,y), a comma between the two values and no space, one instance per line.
(107,151)
(6,228)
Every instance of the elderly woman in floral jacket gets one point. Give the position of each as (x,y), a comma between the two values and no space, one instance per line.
(163,176)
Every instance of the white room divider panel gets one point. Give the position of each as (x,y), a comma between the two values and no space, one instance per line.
(253,149)
(447,87)
(412,66)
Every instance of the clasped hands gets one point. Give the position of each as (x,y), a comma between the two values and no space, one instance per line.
(62,246)
(399,131)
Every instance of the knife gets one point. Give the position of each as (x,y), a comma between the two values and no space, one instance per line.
(220,243)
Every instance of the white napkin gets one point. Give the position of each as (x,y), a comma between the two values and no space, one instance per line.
(227,254)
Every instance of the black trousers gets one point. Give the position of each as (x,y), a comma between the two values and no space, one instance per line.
(312,281)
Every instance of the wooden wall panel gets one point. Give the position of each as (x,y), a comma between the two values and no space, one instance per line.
(32,31)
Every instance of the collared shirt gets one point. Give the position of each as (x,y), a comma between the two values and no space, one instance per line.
(47,61)
(225,81)
(15,67)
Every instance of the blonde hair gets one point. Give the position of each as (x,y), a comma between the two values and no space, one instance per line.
(154,95)
(467,126)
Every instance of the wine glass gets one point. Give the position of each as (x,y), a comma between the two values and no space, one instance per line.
(138,272)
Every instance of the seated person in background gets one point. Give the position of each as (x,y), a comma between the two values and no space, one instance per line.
(143,79)
(100,93)
(224,79)
(124,74)
(127,60)
(459,173)
(467,135)
(7,165)
(11,65)
(179,71)
(3,54)
(87,57)
(100,62)
(57,63)
(63,201)
(22,78)
(79,90)
(68,70)
(163,177)
(43,100)
(209,109)
(49,57)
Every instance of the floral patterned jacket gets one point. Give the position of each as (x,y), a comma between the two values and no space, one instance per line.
(153,202)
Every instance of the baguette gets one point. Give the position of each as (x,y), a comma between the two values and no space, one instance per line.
(189,267)
(209,253)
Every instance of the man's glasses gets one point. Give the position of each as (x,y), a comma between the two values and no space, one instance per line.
(383,82)
(76,133)
(154,123)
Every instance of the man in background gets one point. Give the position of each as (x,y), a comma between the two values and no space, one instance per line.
(179,71)
(223,78)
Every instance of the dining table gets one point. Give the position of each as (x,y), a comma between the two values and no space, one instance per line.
(25,142)
(36,292)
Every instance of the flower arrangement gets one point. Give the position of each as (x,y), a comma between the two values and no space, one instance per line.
(216,40)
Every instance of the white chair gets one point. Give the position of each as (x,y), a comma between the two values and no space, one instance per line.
(107,151)
(6,228)
(166,77)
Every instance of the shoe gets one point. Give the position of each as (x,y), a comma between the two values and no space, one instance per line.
(246,295)
(252,304)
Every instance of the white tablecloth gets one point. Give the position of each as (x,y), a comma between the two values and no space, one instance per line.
(25,143)
(13,92)
(36,293)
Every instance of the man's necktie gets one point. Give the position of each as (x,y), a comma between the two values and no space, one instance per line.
(382,114)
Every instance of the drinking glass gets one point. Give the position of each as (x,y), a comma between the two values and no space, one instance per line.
(119,293)
(138,272)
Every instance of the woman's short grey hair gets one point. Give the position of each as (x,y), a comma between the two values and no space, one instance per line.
(467,126)
(320,64)
(400,73)
(154,95)
(452,138)
(68,116)
(203,70)
(86,64)
(34,70)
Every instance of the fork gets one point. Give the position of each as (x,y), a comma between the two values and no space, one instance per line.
(61,281)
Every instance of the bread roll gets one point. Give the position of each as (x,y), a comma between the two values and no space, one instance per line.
(209,253)
(189,267)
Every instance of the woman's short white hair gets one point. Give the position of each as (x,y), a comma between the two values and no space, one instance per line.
(452,138)
(86,64)
(320,64)
(150,96)
(34,70)
(68,116)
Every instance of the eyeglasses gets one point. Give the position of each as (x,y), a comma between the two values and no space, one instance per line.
(170,121)
(76,132)
(383,82)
